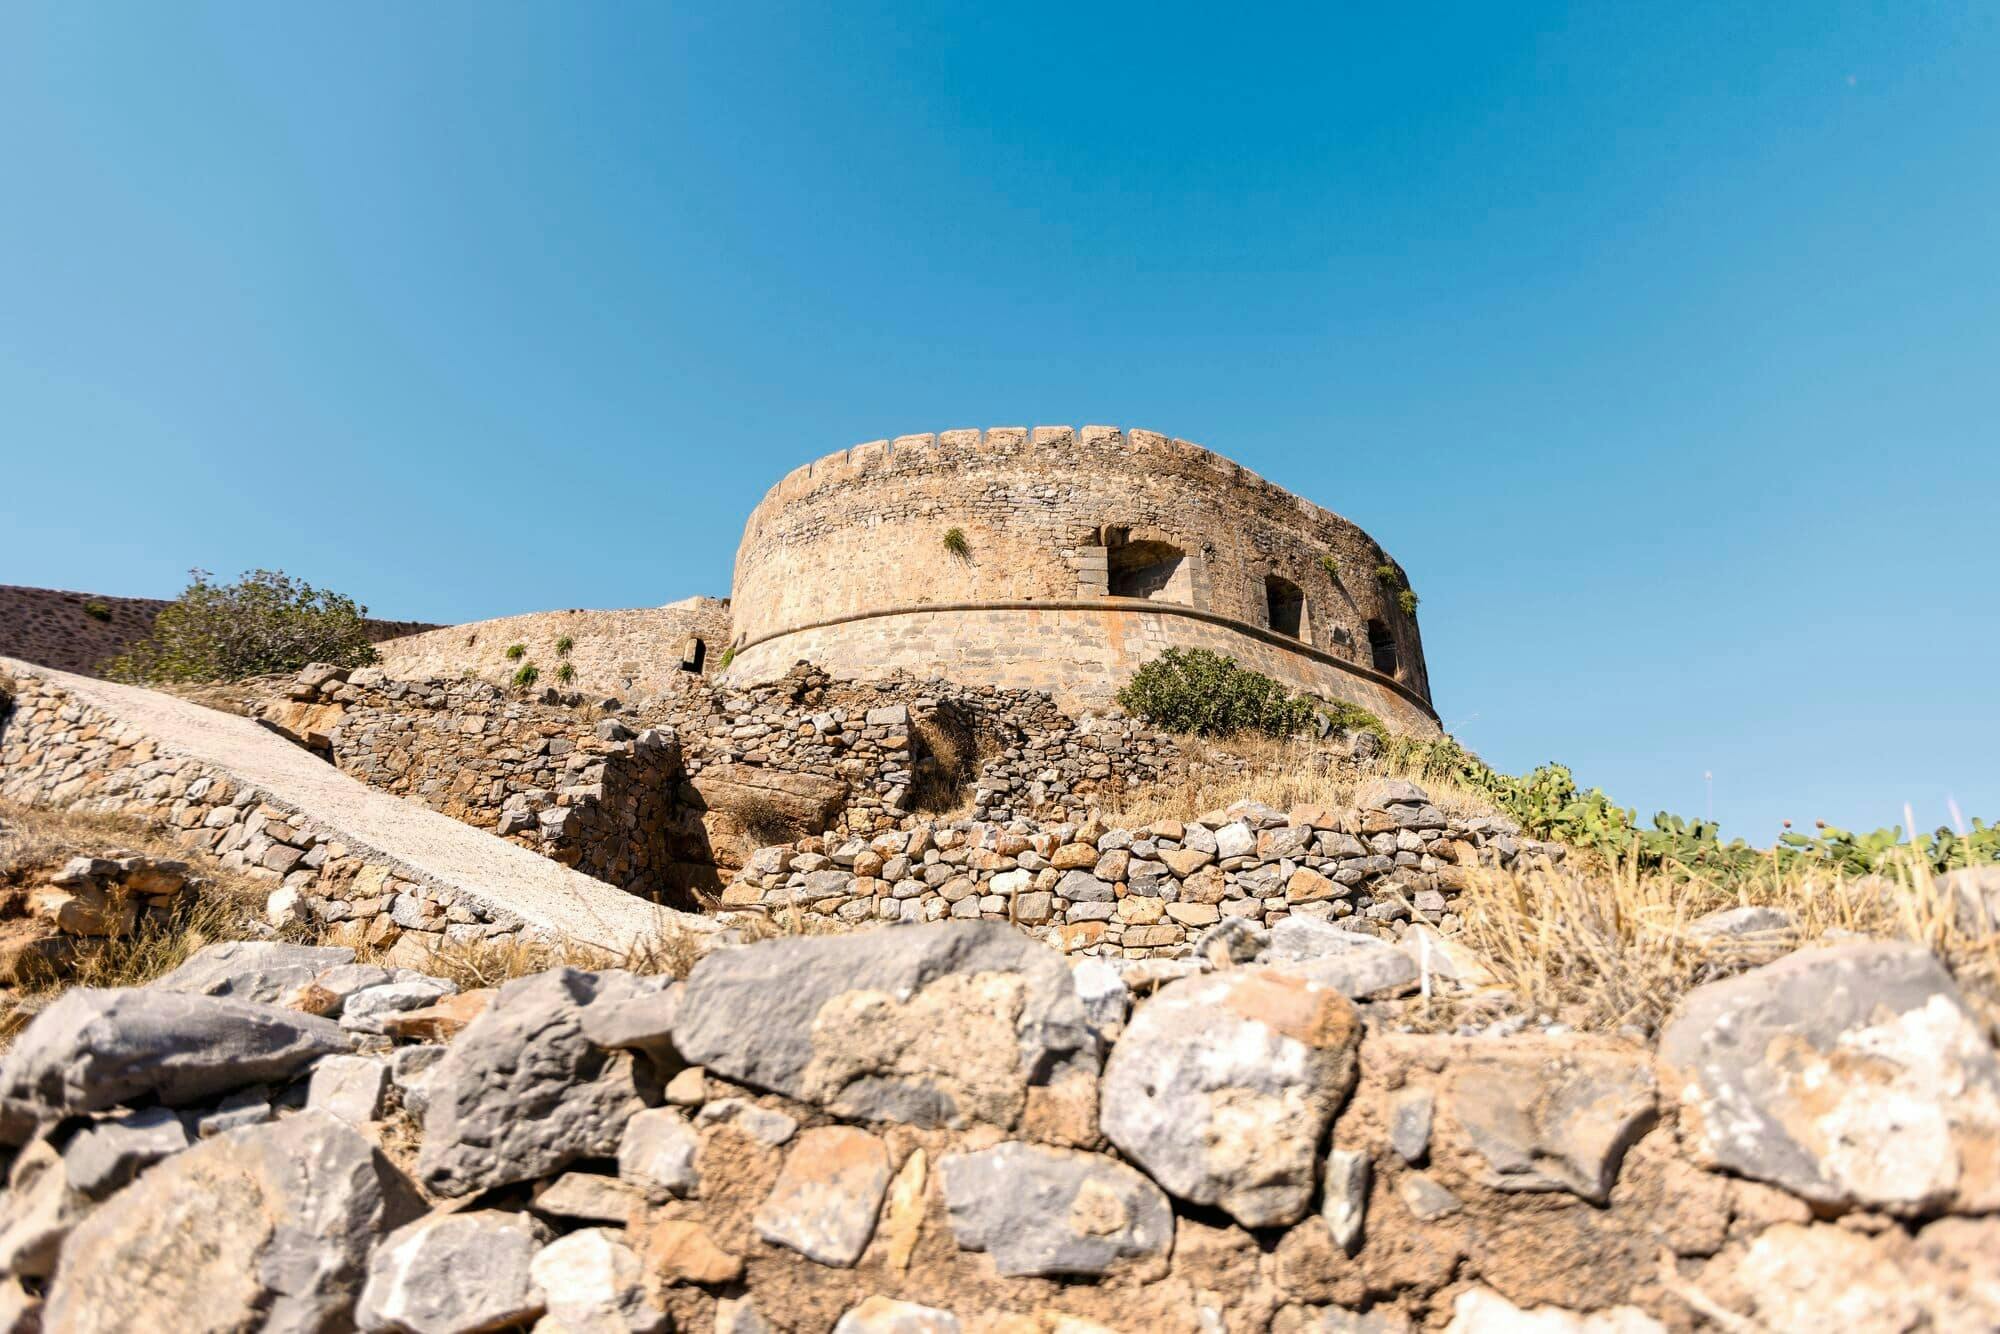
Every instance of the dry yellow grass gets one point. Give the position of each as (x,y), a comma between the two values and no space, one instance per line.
(1280,773)
(1597,946)
(34,841)
(1605,948)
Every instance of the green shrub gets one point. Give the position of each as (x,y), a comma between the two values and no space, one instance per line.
(1548,804)
(1194,690)
(565,672)
(97,609)
(1331,565)
(1407,600)
(265,622)
(563,645)
(527,674)
(1386,573)
(516,652)
(955,543)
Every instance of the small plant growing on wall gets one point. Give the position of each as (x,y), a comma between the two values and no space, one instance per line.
(565,672)
(728,656)
(1386,573)
(97,610)
(563,645)
(955,543)
(516,652)
(1407,600)
(527,674)
(1331,565)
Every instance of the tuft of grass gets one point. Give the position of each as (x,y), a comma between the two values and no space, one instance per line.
(526,675)
(956,544)
(1331,565)
(1407,600)
(516,652)
(97,609)
(563,645)
(565,672)
(1385,573)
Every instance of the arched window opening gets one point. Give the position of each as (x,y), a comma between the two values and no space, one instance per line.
(1285,606)
(1154,570)
(694,652)
(1382,648)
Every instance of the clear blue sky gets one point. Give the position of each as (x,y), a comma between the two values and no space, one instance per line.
(1660,343)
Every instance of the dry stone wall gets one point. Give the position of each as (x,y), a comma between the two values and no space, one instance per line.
(328,846)
(944,1129)
(656,797)
(1392,861)
(1011,518)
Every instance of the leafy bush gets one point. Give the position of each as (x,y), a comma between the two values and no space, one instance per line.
(565,672)
(516,652)
(955,543)
(1407,600)
(1195,690)
(527,674)
(97,609)
(1386,573)
(1548,804)
(563,645)
(265,622)
(1331,565)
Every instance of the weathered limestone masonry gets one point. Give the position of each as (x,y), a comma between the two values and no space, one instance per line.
(1392,860)
(944,1129)
(598,796)
(330,845)
(1063,560)
(639,651)
(656,798)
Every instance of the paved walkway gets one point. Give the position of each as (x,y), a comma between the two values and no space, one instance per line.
(483,866)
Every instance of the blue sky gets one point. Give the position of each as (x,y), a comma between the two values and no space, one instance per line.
(1660,343)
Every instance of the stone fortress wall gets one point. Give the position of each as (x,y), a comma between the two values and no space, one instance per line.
(1081,555)
(630,652)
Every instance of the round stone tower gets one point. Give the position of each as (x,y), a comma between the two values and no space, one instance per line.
(1064,560)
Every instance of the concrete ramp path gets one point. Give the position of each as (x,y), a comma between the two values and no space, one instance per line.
(411,841)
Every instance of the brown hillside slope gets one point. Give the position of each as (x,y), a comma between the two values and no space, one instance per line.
(49,626)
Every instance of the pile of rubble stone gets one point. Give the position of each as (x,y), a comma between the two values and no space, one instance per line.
(948,1127)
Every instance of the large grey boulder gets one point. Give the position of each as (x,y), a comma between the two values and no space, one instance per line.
(37,1211)
(522,1091)
(1223,1085)
(267,1228)
(252,970)
(1358,966)
(1974,893)
(1041,1211)
(1553,1116)
(95,1048)
(1852,1076)
(948,1024)
(106,1154)
(454,1274)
